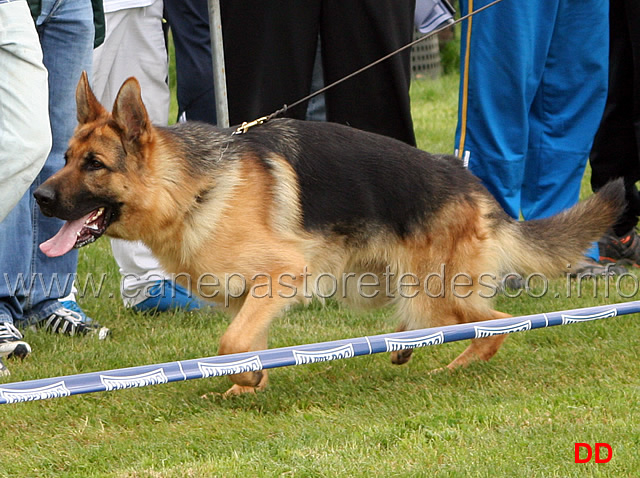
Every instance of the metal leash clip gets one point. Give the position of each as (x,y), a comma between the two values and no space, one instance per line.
(244,127)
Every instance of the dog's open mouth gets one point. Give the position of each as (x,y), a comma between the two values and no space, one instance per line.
(78,233)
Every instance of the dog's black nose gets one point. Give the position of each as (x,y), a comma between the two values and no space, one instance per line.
(46,197)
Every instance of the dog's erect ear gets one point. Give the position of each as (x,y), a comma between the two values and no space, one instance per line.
(89,108)
(129,111)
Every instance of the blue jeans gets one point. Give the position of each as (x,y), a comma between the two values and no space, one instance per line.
(31,283)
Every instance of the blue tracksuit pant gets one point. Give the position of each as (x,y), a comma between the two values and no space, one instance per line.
(532,92)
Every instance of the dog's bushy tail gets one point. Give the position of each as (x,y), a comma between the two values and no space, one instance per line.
(549,246)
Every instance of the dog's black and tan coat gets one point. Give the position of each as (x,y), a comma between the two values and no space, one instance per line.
(290,198)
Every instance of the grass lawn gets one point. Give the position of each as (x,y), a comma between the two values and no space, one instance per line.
(518,415)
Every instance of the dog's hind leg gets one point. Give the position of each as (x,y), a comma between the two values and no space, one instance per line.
(480,349)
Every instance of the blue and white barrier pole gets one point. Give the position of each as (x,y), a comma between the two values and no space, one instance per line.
(297,355)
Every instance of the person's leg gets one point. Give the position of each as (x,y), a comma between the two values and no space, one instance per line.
(134,46)
(15,281)
(567,109)
(25,141)
(354,34)
(498,83)
(615,151)
(269,49)
(145,286)
(66,34)
(24,133)
(616,146)
(139,270)
(189,23)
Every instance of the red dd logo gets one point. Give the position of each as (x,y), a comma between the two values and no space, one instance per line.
(589,452)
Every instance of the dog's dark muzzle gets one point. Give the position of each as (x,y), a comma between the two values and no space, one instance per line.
(46,197)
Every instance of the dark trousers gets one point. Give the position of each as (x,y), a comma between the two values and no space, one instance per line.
(270,46)
(189,23)
(616,147)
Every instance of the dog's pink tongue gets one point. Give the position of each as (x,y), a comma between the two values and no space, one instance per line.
(66,238)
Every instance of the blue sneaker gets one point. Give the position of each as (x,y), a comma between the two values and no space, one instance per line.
(166,295)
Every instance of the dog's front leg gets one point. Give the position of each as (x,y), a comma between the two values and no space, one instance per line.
(249,331)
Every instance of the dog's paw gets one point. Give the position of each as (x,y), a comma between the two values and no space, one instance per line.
(259,378)
(236,390)
(400,357)
(440,370)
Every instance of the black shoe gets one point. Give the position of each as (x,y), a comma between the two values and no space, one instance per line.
(11,345)
(625,248)
(72,322)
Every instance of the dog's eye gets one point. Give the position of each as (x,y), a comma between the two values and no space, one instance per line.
(92,164)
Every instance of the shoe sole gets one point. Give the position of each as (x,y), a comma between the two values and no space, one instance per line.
(609,260)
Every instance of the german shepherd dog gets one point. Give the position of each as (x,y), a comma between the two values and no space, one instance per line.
(283,207)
